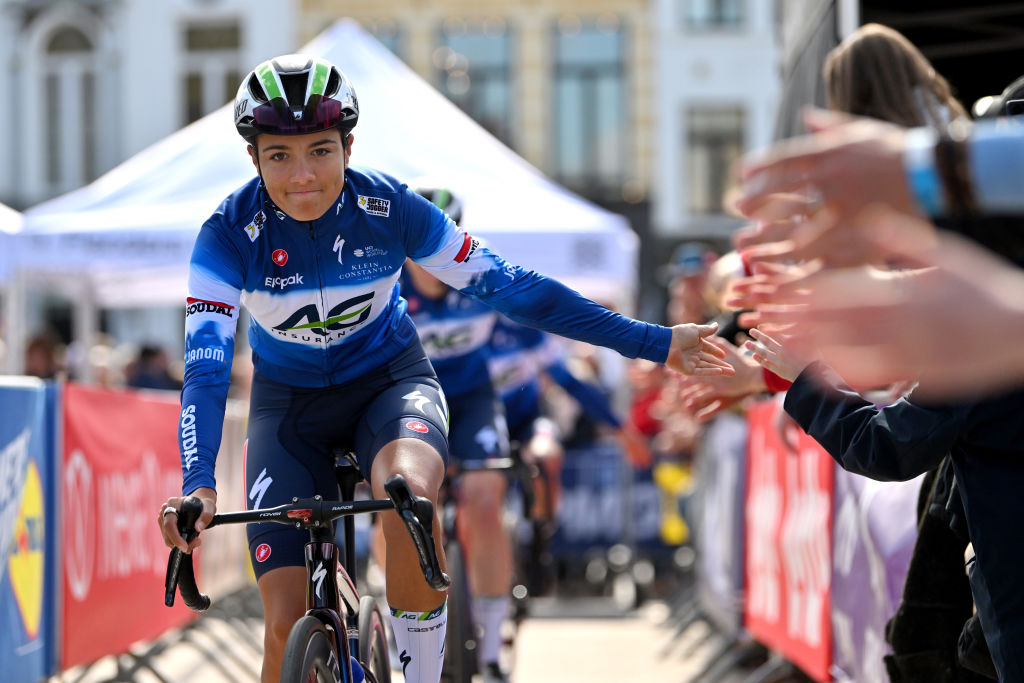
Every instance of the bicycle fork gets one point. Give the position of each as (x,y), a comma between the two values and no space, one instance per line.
(322,599)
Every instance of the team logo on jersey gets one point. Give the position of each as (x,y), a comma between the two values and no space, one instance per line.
(375,206)
(369,251)
(193,306)
(417,426)
(469,245)
(339,245)
(346,314)
(254,228)
(280,257)
(262,552)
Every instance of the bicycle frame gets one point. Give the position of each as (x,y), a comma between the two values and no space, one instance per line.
(321,553)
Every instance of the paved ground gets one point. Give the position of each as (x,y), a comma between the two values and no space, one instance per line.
(585,639)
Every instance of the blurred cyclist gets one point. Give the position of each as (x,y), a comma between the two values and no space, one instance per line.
(454,330)
(313,248)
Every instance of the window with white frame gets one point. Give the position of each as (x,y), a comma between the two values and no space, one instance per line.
(714,143)
(711,15)
(589,132)
(212,61)
(474,67)
(69,97)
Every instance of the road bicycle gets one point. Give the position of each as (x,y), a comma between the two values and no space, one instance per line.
(339,625)
(462,636)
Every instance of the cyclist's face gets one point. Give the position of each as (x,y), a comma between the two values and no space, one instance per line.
(304,174)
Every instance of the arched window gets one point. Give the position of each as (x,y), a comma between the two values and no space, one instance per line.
(69,109)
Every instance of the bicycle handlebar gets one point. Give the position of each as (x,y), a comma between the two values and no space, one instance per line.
(417,513)
(179,565)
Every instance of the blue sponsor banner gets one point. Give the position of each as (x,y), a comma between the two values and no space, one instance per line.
(718,519)
(605,502)
(27,529)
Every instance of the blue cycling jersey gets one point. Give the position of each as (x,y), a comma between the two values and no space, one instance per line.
(323,297)
(454,331)
(518,354)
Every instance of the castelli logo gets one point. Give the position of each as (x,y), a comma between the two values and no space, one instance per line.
(417,427)
(262,552)
(280,257)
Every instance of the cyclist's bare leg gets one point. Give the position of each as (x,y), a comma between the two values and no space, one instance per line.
(488,558)
(423,470)
(488,549)
(418,623)
(283,592)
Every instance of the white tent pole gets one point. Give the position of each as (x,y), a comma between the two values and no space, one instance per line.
(85,321)
(14,324)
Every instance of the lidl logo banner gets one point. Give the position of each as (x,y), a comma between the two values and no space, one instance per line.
(119,463)
(27,563)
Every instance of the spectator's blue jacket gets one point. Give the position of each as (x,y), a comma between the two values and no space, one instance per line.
(898,442)
(323,297)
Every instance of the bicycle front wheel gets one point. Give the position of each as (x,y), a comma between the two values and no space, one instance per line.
(309,654)
(460,637)
(373,641)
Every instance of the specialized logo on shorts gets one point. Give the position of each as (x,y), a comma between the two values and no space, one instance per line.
(262,552)
(375,206)
(417,427)
(280,257)
(254,228)
(193,306)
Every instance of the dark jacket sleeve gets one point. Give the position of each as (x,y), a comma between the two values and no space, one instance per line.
(893,443)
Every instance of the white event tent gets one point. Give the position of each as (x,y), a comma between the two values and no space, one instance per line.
(125,239)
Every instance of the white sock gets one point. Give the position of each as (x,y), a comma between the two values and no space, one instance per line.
(420,640)
(489,613)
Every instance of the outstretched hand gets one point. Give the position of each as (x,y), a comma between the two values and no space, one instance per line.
(705,397)
(692,353)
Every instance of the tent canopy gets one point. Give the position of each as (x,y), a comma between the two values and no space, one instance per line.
(129,234)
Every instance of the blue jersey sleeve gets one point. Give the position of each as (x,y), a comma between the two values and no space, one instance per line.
(593,401)
(527,297)
(215,278)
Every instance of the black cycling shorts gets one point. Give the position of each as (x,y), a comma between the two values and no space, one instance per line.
(478,429)
(294,431)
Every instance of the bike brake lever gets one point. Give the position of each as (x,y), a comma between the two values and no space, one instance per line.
(418,515)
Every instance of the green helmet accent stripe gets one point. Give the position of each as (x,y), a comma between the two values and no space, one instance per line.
(269,79)
(319,83)
(442,198)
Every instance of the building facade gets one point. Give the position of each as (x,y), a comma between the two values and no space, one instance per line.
(95,81)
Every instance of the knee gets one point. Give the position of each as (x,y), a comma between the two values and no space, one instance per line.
(418,462)
(482,497)
(278,626)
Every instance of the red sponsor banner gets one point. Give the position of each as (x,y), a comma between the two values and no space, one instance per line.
(788,541)
(120,462)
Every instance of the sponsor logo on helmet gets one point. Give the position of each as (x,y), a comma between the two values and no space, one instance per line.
(262,552)
(375,206)
(188,436)
(469,245)
(254,228)
(282,282)
(280,257)
(193,306)
(417,426)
